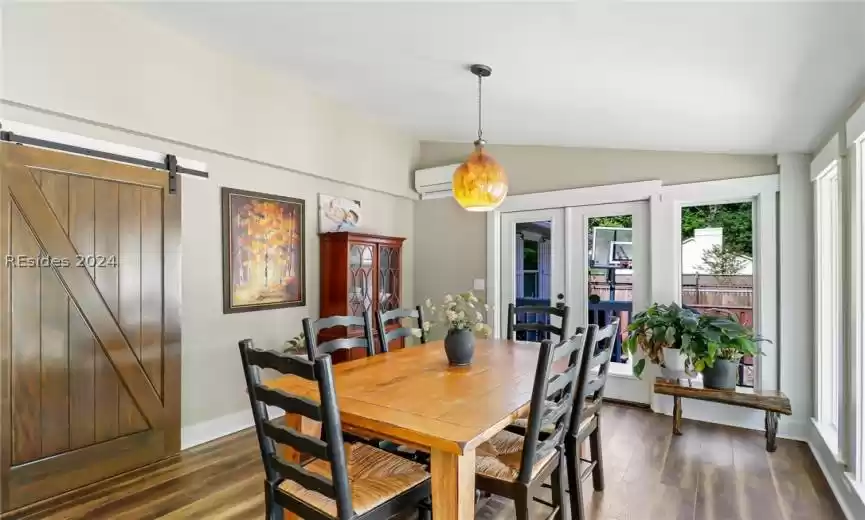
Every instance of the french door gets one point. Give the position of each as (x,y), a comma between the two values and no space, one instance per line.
(608,255)
(594,259)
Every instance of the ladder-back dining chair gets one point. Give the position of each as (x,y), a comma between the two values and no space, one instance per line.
(586,419)
(338,480)
(383,319)
(515,465)
(541,327)
(311,330)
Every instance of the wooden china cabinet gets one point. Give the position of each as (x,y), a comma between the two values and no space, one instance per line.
(359,272)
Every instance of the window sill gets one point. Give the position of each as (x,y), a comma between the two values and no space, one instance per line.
(830,438)
(855,487)
(621,371)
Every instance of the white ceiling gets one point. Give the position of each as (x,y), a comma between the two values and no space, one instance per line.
(740,77)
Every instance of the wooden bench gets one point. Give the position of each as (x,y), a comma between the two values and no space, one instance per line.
(772,402)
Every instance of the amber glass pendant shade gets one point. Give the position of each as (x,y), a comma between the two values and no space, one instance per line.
(480,183)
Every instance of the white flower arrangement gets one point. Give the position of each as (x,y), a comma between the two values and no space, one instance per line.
(458,312)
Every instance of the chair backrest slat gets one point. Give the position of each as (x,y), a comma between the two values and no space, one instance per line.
(329,448)
(339,321)
(562,380)
(601,358)
(552,401)
(329,347)
(543,328)
(280,362)
(305,478)
(569,348)
(554,413)
(311,330)
(287,402)
(595,384)
(383,318)
(300,442)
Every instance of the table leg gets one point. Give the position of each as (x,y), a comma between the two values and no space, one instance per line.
(677,415)
(303,425)
(453,485)
(771,431)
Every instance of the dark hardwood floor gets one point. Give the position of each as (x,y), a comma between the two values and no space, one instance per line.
(710,473)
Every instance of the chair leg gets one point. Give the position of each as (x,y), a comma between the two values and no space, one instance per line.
(273,510)
(522,502)
(575,487)
(424,513)
(597,457)
(559,490)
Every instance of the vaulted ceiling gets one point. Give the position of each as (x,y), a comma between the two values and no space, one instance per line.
(730,77)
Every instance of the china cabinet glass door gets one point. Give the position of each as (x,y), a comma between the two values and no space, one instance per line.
(360,282)
(388,278)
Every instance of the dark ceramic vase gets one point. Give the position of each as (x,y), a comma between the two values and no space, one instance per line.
(722,375)
(460,347)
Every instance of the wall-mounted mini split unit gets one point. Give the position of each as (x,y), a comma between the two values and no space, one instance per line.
(434,183)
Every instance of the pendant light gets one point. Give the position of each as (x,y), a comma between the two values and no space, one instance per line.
(480,183)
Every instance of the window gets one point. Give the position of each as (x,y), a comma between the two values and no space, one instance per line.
(533,263)
(828,310)
(717,259)
(746,211)
(857,249)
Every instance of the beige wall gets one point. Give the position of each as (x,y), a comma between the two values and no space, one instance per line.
(458,255)
(114,65)
(141,85)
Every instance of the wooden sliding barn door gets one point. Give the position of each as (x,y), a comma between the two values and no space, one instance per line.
(89,324)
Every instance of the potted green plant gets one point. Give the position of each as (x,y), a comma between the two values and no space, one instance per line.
(296,345)
(663,333)
(722,343)
(463,316)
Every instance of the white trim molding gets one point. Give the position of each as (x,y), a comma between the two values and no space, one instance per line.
(855,127)
(824,158)
(607,194)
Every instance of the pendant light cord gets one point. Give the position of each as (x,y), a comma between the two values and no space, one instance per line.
(480,109)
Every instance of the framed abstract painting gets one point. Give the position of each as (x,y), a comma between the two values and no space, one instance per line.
(263,251)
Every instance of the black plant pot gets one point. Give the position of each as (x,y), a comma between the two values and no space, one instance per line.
(460,347)
(722,375)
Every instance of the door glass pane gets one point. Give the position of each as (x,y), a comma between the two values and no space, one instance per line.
(360,279)
(533,271)
(610,285)
(717,266)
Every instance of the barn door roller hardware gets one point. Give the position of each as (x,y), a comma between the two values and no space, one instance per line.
(169,164)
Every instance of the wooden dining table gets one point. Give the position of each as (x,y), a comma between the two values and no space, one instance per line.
(412,396)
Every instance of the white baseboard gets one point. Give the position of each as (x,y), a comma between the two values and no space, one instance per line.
(848,498)
(207,431)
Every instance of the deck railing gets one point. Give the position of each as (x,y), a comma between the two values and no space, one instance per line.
(600,314)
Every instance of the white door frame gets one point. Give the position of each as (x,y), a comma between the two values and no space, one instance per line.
(608,194)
